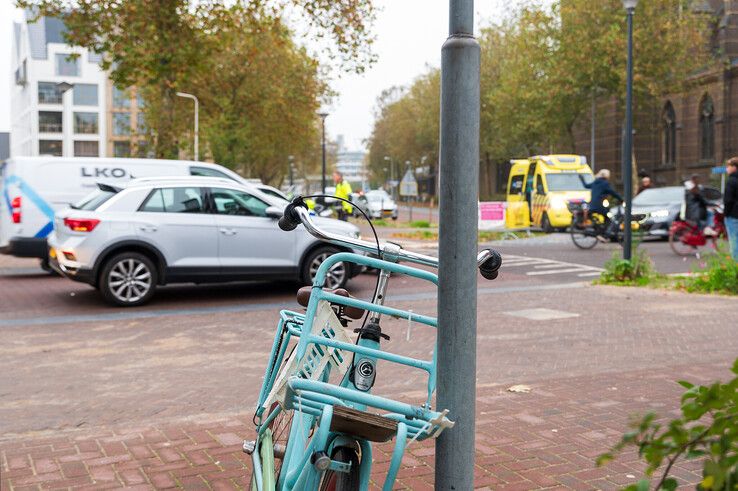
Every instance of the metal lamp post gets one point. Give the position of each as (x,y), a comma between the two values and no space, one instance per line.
(457,271)
(392,176)
(63,88)
(323,115)
(197,122)
(630,6)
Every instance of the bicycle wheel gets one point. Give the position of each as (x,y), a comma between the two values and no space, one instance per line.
(677,245)
(280,427)
(581,238)
(342,481)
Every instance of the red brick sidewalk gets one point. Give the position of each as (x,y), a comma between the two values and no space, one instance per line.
(548,438)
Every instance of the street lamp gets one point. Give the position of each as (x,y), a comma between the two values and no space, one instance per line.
(197,118)
(627,173)
(63,88)
(392,176)
(323,115)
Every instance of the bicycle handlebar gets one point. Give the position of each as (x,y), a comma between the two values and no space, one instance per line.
(488,260)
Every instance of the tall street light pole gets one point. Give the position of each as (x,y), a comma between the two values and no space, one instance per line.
(197,122)
(630,6)
(457,271)
(392,176)
(322,126)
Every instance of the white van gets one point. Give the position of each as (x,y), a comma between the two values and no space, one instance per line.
(33,188)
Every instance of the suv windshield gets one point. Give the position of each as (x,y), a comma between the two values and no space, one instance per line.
(567,182)
(93,200)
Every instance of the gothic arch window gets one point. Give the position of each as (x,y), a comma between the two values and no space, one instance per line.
(668,135)
(707,128)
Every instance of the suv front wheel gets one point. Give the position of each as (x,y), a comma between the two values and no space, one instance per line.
(337,276)
(128,279)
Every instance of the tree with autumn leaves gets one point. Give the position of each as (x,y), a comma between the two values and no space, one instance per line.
(258,89)
(540,69)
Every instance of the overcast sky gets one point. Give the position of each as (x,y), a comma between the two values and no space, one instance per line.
(409,37)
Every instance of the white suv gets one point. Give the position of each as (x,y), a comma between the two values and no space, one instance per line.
(154,231)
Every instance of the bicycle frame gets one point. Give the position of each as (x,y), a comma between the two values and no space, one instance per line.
(313,400)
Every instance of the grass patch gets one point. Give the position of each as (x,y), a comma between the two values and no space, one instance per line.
(719,275)
(483,235)
(420,224)
(636,271)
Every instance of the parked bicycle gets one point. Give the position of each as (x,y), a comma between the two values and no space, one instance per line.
(587,229)
(313,423)
(686,238)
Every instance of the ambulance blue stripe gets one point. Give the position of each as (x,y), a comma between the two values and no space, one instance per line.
(45,231)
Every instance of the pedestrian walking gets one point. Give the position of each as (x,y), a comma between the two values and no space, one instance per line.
(731,205)
(343,190)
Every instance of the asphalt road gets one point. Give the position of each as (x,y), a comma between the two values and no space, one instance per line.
(72,361)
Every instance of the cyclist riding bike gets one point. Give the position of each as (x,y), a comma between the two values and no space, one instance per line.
(601,190)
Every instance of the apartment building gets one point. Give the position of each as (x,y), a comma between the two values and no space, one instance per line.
(126,128)
(59,96)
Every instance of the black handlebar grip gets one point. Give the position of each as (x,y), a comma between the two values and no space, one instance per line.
(491,265)
(286,223)
(290,219)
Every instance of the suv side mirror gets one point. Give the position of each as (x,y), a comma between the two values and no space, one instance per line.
(274,212)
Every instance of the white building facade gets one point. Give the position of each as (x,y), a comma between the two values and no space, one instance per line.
(44,119)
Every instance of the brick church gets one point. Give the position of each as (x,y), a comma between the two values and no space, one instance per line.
(691,132)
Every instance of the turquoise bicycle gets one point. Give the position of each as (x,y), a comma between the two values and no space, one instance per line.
(313,423)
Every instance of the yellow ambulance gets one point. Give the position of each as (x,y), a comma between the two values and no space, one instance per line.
(539,188)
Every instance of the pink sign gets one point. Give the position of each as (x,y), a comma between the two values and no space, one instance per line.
(493,211)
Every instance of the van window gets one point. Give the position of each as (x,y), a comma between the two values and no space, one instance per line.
(94,200)
(539,185)
(174,200)
(207,172)
(567,181)
(516,184)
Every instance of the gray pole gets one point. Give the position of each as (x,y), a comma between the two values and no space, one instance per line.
(628,157)
(322,126)
(592,132)
(197,123)
(457,290)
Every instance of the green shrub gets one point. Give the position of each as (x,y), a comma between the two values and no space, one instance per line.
(707,429)
(420,224)
(380,222)
(720,275)
(637,270)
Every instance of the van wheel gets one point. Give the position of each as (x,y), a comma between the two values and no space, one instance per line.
(337,276)
(47,267)
(128,279)
(546,224)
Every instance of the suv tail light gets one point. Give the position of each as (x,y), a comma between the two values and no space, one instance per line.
(81,224)
(15,206)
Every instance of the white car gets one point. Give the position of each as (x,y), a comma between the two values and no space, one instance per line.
(381,204)
(127,241)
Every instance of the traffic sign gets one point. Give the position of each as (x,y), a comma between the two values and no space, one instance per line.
(719,170)
(409,185)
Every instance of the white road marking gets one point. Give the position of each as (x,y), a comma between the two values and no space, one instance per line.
(555,271)
(542,266)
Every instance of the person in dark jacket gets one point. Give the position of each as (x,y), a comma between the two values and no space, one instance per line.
(731,205)
(696,205)
(601,189)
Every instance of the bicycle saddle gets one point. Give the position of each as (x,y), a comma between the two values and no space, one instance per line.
(303,297)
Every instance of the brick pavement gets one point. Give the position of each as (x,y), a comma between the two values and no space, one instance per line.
(548,438)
